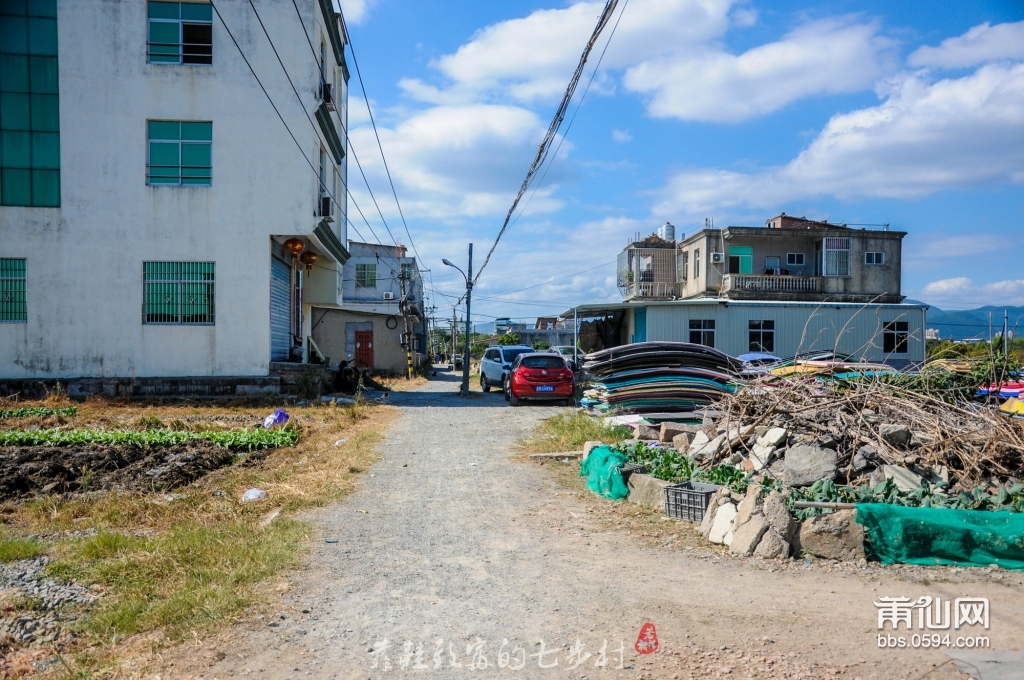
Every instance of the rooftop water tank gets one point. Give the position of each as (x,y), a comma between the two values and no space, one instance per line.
(667,232)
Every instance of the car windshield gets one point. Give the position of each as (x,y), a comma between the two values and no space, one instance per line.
(511,354)
(543,362)
(567,351)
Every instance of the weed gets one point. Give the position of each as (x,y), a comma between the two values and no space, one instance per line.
(37,411)
(18,548)
(178,425)
(569,431)
(148,422)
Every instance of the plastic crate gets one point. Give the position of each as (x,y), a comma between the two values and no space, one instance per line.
(630,468)
(688,500)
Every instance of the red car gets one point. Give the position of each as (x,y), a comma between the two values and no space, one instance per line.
(540,376)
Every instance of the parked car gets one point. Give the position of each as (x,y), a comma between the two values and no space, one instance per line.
(540,376)
(497,362)
(569,353)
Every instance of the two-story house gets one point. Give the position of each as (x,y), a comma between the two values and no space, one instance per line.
(792,286)
(382,316)
(171,187)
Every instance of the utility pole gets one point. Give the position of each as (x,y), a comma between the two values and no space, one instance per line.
(1006,337)
(403,307)
(455,332)
(465,350)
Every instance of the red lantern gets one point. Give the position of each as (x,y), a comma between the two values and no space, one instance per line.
(295,246)
(309,259)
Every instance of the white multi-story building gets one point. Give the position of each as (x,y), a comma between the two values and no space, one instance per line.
(155,160)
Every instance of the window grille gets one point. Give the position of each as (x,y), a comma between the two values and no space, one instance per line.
(180,33)
(178,293)
(682,266)
(762,336)
(702,332)
(895,337)
(13,305)
(366,275)
(835,254)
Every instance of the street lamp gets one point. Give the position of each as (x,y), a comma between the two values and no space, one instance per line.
(464,390)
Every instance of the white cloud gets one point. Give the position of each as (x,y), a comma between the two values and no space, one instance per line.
(925,137)
(355,11)
(963,291)
(621,136)
(823,57)
(453,161)
(976,46)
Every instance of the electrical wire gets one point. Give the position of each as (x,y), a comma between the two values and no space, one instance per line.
(545,145)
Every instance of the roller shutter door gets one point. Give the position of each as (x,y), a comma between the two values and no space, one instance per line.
(280,309)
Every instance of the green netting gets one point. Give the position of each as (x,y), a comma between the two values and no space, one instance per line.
(896,533)
(601,468)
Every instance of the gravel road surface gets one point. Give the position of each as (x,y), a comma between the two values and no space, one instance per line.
(454,561)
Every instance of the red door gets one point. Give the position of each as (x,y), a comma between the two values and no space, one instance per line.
(364,349)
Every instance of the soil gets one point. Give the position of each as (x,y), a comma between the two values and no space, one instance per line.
(455,551)
(27,471)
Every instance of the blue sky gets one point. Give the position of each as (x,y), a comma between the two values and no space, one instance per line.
(910,113)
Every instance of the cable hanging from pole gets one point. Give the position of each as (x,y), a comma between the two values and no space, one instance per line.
(556,122)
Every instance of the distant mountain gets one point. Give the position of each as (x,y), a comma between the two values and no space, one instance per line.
(973,323)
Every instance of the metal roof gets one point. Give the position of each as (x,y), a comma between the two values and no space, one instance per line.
(595,309)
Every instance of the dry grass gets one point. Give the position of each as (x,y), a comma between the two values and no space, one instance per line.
(569,431)
(184,564)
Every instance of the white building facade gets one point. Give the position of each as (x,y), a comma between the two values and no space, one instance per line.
(148,186)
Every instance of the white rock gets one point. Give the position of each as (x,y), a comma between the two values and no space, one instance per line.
(773,437)
(253,495)
(723,523)
(761,455)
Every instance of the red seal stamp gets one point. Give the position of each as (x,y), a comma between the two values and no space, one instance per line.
(647,640)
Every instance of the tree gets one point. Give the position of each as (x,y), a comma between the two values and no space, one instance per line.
(541,345)
(509,338)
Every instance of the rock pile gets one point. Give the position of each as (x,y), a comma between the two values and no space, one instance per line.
(37,605)
(750,524)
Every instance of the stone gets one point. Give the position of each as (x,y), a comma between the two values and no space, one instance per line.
(865,458)
(700,438)
(836,536)
(897,435)
(828,441)
(804,465)
(774,437)
(761,429)
(746,536)
(905,479)
(647,432)
(771,546)
(722,523)
(750,505)
(253,495)
(761,455)
(777,514)
(707,450)
(709,514)
(590,446)
(669,431)
(682,441)
(647,490)
(925,439)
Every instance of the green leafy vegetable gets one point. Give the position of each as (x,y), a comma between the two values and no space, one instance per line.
(37,411)
(234,440)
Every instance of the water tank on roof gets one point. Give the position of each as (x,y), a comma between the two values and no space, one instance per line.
(667,232)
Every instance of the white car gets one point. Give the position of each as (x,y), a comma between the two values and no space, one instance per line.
(497,362)
(569,353)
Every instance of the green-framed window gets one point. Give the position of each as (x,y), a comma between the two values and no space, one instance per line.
(741,260)
(29,106)
(180,153)
(366,275)
(178,292)
(180,33)
(13,305)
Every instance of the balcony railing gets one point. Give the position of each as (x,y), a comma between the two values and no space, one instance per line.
(771,284)
(665,289)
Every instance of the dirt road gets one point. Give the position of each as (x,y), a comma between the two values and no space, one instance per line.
(453,561)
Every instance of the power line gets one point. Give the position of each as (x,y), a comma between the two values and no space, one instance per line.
(556,122)
(366,100)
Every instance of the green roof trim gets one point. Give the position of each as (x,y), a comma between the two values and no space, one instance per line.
(333,140)
(327,9)
(331,242)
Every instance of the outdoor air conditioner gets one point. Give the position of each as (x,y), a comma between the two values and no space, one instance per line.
(717,258)
(327,208)
(389,296)
(327,95)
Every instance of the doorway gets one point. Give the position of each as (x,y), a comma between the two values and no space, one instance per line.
(364,349)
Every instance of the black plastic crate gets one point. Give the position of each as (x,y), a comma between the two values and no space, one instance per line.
(688,500)
(630,468)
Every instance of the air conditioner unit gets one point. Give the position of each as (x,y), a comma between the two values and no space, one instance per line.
(327,95)
(389,296)
(327,208)
(717,258)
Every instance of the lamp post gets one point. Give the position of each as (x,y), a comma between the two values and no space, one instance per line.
(464,390)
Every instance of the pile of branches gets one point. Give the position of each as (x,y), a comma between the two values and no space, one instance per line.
(976,443)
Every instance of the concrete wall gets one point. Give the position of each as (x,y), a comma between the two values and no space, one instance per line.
(334,333)
(84,259)
(852,329)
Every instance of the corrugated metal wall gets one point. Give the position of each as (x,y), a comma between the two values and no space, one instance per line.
(797,328)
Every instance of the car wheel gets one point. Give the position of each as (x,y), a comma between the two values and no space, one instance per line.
(484,385)
(513,400)
(505,389)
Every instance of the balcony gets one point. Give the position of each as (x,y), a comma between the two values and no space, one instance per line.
(663,290)
(737,283)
